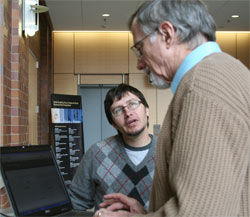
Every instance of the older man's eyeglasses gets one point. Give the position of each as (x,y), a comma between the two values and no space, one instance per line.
(119,110)
(137,47)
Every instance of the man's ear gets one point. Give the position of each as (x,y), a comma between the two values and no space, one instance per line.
(147,112)
(168,32)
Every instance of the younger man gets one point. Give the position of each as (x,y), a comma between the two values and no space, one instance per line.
(122,163)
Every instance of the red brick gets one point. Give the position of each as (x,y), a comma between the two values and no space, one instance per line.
(15,102)
(15,5)
(15,93)
(6,110)
(15,67)
(4,202)
(15,112)
(7,82)
(6,92)
(6,120)
(15,75)
(7,101)
(5,140)
(15,22)
(15,14)
(6,130)
(15,139)
(15,129)
(14,48)
(15,120)
(14,84)
(14,30)
(14,57)
(15,40)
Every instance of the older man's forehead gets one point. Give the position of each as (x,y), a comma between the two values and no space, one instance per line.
(136,31)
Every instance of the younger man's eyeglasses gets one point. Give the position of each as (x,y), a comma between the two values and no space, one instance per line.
(119,110)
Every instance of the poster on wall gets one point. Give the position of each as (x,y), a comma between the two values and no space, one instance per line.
(67,125)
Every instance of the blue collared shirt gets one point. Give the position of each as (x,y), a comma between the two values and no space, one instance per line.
(192,59)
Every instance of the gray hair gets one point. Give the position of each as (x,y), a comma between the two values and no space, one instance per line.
(190,18)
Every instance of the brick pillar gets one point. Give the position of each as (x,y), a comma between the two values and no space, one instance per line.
(1,69)
(5,73)
(13,82)
(14,91)
(46,80)
(3,195)
(19,80)
(4,88)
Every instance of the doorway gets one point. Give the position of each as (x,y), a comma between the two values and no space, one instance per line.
(95,124)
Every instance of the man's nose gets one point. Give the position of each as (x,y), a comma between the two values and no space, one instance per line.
(126,111)
(141,64)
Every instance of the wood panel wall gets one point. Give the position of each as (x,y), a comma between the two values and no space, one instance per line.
(105,58)
(101,53)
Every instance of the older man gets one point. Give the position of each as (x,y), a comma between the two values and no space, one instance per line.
(202,159)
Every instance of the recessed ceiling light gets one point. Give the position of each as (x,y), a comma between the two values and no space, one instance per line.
(106,15)
(235,16)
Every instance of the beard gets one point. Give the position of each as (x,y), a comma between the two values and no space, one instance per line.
(156,80)
(136,133)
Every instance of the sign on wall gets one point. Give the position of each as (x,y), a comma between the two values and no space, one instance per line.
(67,125)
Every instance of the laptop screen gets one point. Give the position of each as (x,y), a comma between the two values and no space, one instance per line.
(33,180)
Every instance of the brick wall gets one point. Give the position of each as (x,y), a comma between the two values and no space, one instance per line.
(11,92)
(14,99)
(4,202)
(1,67)
(46,81)
(14,78)
(14,75)
(5,74)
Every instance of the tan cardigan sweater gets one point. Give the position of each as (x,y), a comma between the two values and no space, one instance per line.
(202,159)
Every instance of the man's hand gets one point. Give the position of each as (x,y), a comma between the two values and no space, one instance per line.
(120,202)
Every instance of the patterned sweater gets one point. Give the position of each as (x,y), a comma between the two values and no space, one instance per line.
(202,156)
(106,168)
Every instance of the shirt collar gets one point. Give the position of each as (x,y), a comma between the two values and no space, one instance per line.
(192,59)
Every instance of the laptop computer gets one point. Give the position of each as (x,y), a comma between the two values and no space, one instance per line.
(34,183)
